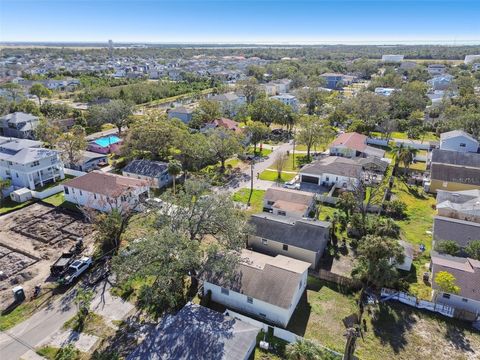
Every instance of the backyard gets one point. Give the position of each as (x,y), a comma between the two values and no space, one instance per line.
(392,331)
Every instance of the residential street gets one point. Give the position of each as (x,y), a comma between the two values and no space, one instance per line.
(27,335)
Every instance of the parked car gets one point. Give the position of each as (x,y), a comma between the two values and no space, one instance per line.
(78,267)
(292,184)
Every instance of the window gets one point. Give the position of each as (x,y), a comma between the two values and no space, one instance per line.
(35,163)
(249,300)
(445,184)
(95,196)
(81,193)
(225,291)
(66,190)
(269,202)
(264,241)
(300,284)
(262,314)
(446,296)
(281,212)
(327,178)
(285,247)
(463,145)
(464,300)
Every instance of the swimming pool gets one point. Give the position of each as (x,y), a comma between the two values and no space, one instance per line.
(107,140)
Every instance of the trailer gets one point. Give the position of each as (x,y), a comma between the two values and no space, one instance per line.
(62,264)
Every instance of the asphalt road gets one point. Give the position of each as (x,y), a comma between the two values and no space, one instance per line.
(16,341)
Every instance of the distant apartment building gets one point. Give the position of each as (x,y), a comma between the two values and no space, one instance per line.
(392,58)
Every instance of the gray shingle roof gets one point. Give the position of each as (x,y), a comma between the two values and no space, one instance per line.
(334,165)
(455,174)
(456,158)
(305,234)
(274,280)
(460,231)
(196,332)
(17,117)
(146,168)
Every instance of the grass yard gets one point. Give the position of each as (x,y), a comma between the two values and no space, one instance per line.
(264,152)
(256,201)
(271,175)
(58,200)
(8,205)
(393,331)
(94,324)
(429,136)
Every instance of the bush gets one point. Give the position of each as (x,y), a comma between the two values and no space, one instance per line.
(449,247)
(395,209)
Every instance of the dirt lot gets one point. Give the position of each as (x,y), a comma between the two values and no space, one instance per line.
(31,239)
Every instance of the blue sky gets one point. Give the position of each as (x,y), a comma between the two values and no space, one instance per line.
(260,21)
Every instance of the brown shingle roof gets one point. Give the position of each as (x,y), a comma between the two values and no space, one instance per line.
(465,270)
(351,140)
(289,195)
(105,184)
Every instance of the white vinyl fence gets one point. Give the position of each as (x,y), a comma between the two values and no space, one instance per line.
(389,294)
(46,193)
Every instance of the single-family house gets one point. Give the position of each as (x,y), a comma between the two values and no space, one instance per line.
(467,277)
(154,172)
(26,164)
(441,82)
(391,58)
(436,69)
(89,161)
(332,171)
(181,112)
(458,140)
(289,202)
(454,171)
(461,205)
(19,125)
(287,99)
(230,102)
(225,124)
(106,191)
(352,145)
(333,80)
(197,332)
(461,231)
(301,239)
(409,255)
(266,287)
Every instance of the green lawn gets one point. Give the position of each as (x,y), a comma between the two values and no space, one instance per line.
(58,200)
(8,205)
(256,201)
(393,331)
(264,152)
(271,175)
(429,136)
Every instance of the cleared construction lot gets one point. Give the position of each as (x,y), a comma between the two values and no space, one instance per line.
(31,239)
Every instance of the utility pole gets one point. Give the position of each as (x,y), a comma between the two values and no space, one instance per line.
(293,152)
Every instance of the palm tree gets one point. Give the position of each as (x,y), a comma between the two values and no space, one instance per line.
(174,169)
(405,155)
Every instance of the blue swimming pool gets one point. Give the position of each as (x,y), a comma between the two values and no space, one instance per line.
(107,140)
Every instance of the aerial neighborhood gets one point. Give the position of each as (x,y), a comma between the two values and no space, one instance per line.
(240,202)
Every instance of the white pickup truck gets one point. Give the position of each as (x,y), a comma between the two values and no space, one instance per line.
(76,269)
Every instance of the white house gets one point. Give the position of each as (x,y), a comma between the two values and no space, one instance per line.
(352,145)
(264,287)
(471,58)
(384,91)
(467,277)
(154,172)
(289,202)
(287,99)
(28,165)
(458,140)
(332,171)
(105,191)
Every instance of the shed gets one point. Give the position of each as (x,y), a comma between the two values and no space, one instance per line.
(21,195)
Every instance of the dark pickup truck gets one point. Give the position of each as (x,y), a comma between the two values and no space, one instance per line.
(62,264)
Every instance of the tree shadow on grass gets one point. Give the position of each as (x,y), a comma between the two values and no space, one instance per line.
(391,325)
(456,335)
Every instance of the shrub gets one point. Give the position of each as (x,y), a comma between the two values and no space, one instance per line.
(449,247)
(395,208)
